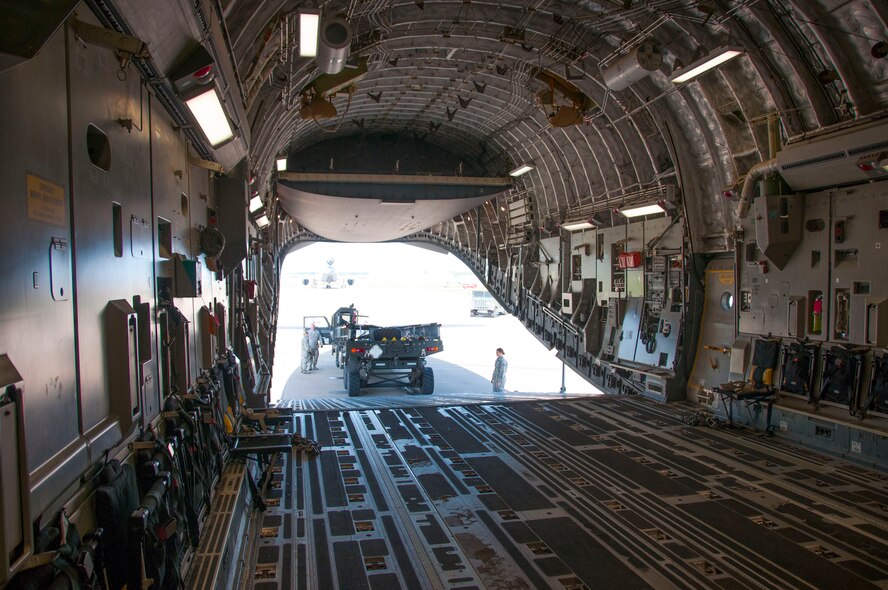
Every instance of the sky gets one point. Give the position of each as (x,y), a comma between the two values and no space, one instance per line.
(381,259)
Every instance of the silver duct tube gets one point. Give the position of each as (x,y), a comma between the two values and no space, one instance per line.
(632,67)
(762,168)
(752,178)
(334,43)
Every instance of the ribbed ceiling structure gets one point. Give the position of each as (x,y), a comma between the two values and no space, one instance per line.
(449,72)
(460,74)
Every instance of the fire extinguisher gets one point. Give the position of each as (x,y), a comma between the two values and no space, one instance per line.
(817,315)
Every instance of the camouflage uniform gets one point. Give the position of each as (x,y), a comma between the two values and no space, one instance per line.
(314,342)
(306,353)
(499,374)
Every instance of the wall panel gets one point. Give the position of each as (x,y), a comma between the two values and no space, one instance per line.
(711,365)
(859,246)
(170,177)
(37,331)
(105,270)
(768,296)
(201,200)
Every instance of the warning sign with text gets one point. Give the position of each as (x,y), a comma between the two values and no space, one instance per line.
(46,201)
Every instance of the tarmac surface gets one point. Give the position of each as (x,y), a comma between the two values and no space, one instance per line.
(463,367)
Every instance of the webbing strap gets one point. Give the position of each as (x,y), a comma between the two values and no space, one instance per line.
(258,502)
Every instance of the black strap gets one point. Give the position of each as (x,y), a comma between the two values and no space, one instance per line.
(181,498)
(879,382)
(258,502)
(64,561)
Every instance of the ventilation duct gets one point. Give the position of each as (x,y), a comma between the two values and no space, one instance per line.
(834,159)
(333,45)
(778,226)
(632,67)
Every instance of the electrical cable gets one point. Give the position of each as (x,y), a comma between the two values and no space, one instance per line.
(341,119)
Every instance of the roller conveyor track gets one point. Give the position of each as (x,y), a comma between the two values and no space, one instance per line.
(592,493)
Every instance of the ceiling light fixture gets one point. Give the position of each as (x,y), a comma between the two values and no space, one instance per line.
(207,110)
(577,225)
(262,221)
(638,211)
(309,23)
(282,164)
(397,201)
(194,82)
(522,169)
(714,59)
(255,203)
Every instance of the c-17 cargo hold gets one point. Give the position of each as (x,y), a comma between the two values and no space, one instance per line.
(685,202)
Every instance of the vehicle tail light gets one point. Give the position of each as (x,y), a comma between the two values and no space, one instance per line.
(431,349)
(358,351)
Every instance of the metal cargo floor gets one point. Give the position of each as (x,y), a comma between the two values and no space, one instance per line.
(605,492)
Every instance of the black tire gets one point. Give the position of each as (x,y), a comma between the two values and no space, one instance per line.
(474,313)
(353,383)
(428,381)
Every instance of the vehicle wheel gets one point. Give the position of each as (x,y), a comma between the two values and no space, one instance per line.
(336,356)
(428,381)
(474,313)
(353,383)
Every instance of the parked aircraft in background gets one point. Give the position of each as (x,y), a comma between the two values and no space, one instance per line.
(329,278)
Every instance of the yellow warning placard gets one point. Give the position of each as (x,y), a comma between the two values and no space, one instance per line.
(46,201)
(726,277)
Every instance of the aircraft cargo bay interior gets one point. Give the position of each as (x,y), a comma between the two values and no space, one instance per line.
(645,346)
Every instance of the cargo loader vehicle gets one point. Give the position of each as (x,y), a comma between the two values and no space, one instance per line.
(376,356)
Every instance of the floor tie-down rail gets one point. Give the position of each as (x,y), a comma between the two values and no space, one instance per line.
(604,492)
(215,563)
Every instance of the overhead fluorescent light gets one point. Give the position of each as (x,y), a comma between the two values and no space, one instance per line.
(397,201)
(577,225)
(282,164)
(714,59)
(643,210)
(262,221)
(207,110)
(255,204)
(309,24)
(522,169)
